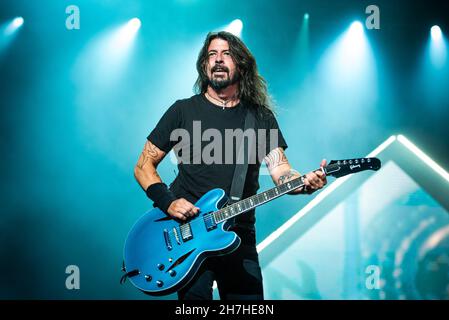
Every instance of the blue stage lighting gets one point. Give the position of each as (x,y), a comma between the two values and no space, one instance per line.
(235,27)
(436,33)
(17,22)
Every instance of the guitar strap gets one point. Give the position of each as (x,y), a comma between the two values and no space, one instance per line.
(241,167)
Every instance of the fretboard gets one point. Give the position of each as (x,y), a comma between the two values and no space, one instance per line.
(256,200)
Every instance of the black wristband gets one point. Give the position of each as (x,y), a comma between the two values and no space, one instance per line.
(161,195)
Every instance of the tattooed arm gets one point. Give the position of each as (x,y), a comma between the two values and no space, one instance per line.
(146,175)
(281,172)
(145,169)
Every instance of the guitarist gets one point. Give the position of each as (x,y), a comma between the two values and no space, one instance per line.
(228,85)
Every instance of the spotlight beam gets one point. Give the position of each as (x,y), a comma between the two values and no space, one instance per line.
(235,27)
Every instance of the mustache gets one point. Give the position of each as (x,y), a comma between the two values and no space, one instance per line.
(219,68)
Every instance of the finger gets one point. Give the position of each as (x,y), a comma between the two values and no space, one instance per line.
(320,174)
(187,211)
(188,205)
(322,178)
(313,180)
(179,215)
(184,207)
(191,209)
(323,163)
(307,184)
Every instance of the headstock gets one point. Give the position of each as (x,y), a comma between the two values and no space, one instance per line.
(340,168)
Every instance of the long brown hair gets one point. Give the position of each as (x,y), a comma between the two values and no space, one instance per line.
(252,86)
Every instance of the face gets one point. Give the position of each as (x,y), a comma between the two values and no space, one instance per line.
(221,69)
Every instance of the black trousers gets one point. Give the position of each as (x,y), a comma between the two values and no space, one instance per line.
(238,274)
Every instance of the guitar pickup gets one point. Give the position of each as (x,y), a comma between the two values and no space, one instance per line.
(186,232)
(209,221)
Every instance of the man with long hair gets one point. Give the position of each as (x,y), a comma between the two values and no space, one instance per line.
(228,86)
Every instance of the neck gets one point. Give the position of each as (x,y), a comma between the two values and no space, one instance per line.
(227,96)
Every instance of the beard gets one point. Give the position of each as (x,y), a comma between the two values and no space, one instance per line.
(223,82)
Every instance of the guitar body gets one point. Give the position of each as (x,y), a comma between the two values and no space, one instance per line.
(161,254)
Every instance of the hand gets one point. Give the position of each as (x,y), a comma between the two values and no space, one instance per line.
(315,180)
(182,209)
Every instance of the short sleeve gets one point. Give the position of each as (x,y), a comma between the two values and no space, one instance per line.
(170,121)
(274,137)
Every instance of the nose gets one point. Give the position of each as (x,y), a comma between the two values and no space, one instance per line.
(219,58)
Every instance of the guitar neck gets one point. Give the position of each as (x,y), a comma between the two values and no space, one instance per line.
(336,168)
(252,202)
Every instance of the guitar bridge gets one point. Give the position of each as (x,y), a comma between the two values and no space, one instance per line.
(175,232)
(167,240)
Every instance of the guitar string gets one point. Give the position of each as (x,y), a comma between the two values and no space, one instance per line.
(183,227)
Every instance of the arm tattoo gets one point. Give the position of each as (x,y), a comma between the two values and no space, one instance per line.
(275,158)
(149,152)
(286,176)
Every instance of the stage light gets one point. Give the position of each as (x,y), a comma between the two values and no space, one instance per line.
(356,29)
(437,48)
(13,26)
(300,62)
(235,27)
(108,54)
(17,22)
(350,60)
(434,75)
(127,32)
(134,24)
(436,33)
(8,31)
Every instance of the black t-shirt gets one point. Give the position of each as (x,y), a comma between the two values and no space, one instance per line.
(202,168)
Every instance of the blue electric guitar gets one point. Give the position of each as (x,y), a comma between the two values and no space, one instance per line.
(162,254)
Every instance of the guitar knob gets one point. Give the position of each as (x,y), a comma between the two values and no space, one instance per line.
(369,160)
(350,161)
(160,266)
(159,283)
(172,273)
(148,277)
(362,161)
